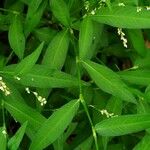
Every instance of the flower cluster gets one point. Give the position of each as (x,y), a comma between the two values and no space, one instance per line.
(3,87)
(39,98)
(108,115)
(122,34)
(105,112)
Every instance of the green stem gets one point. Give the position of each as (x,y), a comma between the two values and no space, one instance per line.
(3,114)
(84,104)
(10,11)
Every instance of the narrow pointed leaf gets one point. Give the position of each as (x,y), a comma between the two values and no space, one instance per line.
(28,62)
(34,15)
(55,125)
(122,125)
(15,141)
(16,37)
(57,50)
(123,17)
(85,38)
(40,76)
(108,81)
(137,77)
(60,11)
(22,113)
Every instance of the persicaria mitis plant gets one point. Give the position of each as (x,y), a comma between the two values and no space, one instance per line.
(74,75)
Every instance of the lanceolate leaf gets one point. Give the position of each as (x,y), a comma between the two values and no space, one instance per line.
(137,77)
(15,141)
(137,41)
(16,37)
(123,17)
(122,125)
(108,81)
(57,50)
(60,11)
(40,76)
(55,125)
(86,38)
(34,16)
(22,113)
(28,62)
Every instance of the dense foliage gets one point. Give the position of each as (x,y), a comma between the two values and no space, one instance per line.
(75,74)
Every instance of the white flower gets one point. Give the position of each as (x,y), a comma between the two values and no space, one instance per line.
(138,9)
(105,112)
(4,132)
(121,4)
(27,90)
(3,87)
(17,78)
(122,34)
(148,7)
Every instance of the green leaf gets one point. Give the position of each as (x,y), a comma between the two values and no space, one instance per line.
(137,77)
(86,38)
(108,81)
(60,11)
(15,141)
(22,113)
(40,76)
(16,37)
(57,50)
(122,125)
(45,34)
(137,41)
(123,17)
(55,125)
(3,139)
(34,15)
(86,144)
(144,144)
(28,62)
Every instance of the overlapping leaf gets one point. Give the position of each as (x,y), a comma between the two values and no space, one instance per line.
(122,125)
(16,37)
(123,17)
(55,125)
(108,81)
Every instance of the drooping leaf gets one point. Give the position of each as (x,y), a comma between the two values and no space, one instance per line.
(137,41)
(16,37)
(15,141)
(122,125)
(60,11)
(123,17)
(86,38)
(55,125)
(108,81)
(3,139)
(28,62)
(57,50)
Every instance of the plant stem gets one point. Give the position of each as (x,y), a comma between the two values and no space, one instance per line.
(84,104)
